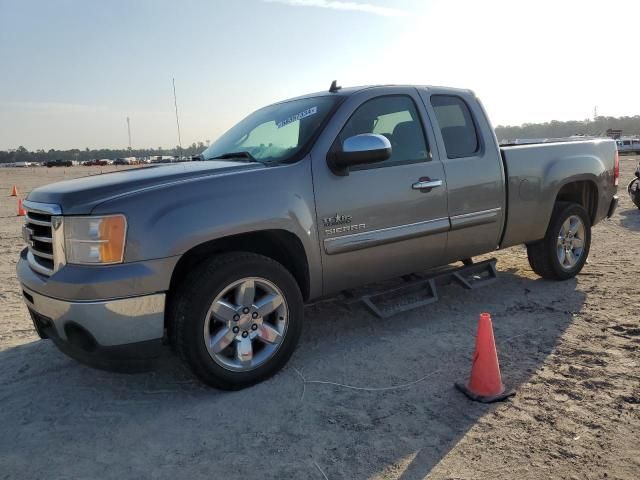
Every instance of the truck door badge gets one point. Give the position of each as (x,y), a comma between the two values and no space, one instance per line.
(340,224)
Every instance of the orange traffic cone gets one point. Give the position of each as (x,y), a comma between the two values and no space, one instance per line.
(21,210)
(14,192)
(485,384)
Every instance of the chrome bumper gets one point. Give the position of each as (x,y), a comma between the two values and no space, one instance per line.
(110,322)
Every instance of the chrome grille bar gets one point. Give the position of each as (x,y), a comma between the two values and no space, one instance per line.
(41,239)
(38,253)
(33,221)
(38,232)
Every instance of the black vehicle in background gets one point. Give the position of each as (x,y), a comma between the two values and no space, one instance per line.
(58,163)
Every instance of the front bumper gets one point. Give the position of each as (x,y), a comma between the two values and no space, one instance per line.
(79,283)
(114,334)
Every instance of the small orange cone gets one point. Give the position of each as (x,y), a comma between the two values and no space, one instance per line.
(21,210)
(14,192)
(485,384)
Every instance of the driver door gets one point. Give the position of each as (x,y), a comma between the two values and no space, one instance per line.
(376,222)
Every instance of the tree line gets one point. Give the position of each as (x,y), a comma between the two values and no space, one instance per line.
(21,154)
(630,126)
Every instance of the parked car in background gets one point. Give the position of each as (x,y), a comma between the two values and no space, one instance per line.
(162,159)
(58,163)
(125,161)
(95,163)
(301,199)
(628,145)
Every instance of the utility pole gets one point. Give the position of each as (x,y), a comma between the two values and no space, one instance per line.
(129,132)
(175,103)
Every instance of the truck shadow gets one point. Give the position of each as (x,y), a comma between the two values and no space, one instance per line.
(340,404)
(630,218)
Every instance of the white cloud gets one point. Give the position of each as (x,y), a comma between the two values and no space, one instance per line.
(346,6)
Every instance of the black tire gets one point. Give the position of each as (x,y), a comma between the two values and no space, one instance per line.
(543,256)
(191,302)
(633,189)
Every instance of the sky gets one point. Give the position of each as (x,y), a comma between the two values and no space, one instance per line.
(72,71)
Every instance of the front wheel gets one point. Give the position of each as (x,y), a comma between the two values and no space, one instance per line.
(563,251)
(237,319)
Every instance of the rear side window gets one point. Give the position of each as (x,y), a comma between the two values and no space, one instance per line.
(456,126)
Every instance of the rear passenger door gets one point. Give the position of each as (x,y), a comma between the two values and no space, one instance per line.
(473,169)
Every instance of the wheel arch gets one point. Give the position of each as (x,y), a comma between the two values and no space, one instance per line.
(583,192)
(280,245)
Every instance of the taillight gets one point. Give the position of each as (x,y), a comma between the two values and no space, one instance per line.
(616,169)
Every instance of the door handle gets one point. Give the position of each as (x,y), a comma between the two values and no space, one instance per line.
(425,184)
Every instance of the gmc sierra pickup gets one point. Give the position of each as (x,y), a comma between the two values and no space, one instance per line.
(300,199)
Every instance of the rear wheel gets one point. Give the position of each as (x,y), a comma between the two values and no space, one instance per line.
(563,251)
(237,319)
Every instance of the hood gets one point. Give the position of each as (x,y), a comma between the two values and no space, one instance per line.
(81,195)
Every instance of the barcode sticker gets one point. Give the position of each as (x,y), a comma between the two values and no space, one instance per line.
(298,116)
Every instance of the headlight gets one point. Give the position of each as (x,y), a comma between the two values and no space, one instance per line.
(95,240)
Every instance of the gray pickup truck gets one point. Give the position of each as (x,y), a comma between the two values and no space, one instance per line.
(301,199)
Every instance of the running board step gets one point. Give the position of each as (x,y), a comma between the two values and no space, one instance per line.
(421,292)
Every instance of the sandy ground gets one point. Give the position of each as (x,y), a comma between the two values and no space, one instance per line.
(571,350)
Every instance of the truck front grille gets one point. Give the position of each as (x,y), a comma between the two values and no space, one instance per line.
(39,236)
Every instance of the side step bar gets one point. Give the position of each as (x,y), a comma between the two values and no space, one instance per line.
(421,292)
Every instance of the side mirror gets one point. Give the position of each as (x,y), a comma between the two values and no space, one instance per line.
(360,150)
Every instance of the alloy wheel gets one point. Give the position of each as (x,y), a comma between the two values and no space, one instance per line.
(570,245)
(246,324)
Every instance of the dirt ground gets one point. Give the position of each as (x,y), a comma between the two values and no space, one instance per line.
(571,350)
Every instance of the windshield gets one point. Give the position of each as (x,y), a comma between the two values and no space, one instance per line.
(274,133)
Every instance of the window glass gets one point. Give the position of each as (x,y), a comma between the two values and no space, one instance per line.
(275,133)
(456,125)
(267,134)
(396,118)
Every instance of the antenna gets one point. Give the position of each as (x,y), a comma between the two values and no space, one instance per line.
(334,87)
(129,131)
(175,103)
(595,112)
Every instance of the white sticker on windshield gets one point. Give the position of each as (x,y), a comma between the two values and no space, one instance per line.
(298,116)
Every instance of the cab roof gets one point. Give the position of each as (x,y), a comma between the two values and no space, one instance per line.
(347,91)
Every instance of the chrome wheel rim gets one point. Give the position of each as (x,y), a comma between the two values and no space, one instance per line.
(571,238)
(246,324)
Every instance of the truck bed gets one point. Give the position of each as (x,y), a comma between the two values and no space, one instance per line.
(536,174)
